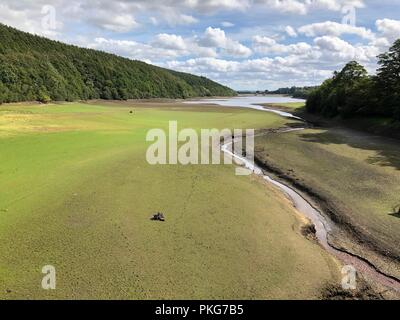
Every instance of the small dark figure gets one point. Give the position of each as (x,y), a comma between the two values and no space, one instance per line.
(131,111)
(396,211)
(158,217)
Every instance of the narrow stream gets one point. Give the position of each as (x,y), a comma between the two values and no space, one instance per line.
(322,224)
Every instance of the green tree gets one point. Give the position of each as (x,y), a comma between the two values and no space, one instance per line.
(344,94)
(389,71)
(388,79)
(351,73)
(43,97)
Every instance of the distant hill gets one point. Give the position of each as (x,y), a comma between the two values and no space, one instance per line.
(36,68)
(295,92)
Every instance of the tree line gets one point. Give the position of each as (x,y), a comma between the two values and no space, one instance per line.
(295,92)
(35,68)
(353,92)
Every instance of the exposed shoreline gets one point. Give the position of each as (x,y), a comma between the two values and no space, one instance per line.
(384,127)
(310,208)
(380,279)
(319,204)
(318,122)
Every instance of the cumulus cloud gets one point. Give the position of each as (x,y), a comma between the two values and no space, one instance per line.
(132,49)
(334,29)
(291,32)
(116,23)
(390,29)
(169,41)
(216,37)
(164,46)
(264,71)
(337,49)
(303,7)
(33,21)
(207,6)
(287,6)
(123,15)
(268,45)
(335,5)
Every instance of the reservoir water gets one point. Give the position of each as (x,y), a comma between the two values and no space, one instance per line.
(252,102)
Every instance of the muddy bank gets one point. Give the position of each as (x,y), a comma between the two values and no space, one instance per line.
(369,252)
(320,228)
(319,210)
(326,206)
(347,232)
(377,126)
(381,127)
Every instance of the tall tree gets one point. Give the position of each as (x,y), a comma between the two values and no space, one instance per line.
(351,73)
(388,79)
(353,92)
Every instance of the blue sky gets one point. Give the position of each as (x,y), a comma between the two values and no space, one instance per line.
(245,44)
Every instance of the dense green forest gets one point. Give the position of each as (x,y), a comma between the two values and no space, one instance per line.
(36,68)
(295,92)
(352,92)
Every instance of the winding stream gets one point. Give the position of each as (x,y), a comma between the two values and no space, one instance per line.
(323,225)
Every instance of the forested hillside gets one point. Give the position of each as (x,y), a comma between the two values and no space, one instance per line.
(36,68)
(352,92)
(295,92)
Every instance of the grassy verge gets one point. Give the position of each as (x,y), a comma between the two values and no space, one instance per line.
(77,193)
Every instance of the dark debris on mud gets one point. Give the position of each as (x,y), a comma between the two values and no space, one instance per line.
(158,217)
(309,232)
(363,292)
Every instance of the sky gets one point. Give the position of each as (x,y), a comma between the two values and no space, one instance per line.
(245,44)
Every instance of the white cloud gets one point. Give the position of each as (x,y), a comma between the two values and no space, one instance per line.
(154,21)
(173,17)
(287,6)
(32,21)
(334,29)
(303,7)
(254,73)
(123,15)
(164,46)
(213,37)
(268,45)
(116,23)
(182,46)
(390,29)
(207,6)
(132,49)
(227,24)
(200,65)
(291,32)
(337,49)
(382,43)
(216,37)
(335,5)
(169,41)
